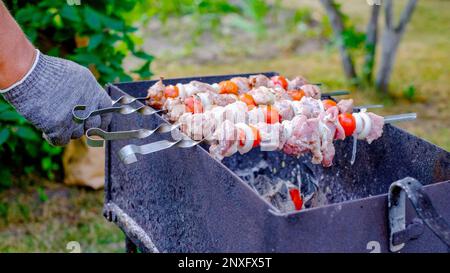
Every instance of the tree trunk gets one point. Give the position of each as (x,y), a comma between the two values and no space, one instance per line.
(391,39)
(371,43)
(338,29)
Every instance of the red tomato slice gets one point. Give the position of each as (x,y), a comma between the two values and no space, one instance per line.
(272,115)
(348,123)
(296,94)
(256,136)
(296,198)
(248,99)
(328,104)
(228,87)
(280,81)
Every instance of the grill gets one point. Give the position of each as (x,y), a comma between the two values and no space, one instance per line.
(182,200)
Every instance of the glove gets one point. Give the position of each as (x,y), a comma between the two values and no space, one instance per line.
(47,95)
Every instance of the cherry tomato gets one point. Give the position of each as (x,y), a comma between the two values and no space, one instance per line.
(228,87)
(281,81)
(296,198)
(242,138)
(271,114)
(256,136)
(171,91)
(193,105)
(348,123)
(248,99)
(296,94)
(327,104)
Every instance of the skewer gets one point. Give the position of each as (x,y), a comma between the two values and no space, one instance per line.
(145,110)
(143,133)
(400,117)
(387,119)
(128,153)
(124,110)
(335,93)
(122,135)
(369,106)
(127,99)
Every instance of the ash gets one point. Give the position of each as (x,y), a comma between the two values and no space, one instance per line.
(273,185)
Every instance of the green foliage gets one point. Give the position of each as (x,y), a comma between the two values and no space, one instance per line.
(249,15)
(43,197)
(410,92)
(94,34)
(22,149)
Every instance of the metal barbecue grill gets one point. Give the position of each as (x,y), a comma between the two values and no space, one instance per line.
(183,200)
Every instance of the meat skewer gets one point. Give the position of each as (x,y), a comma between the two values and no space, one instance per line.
(144,110)
(96,136)
(128,152)
(258,89)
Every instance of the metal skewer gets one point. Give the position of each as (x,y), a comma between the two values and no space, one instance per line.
(128,153)
(400,117)
(387,119)
(122,135)
(143,133)
(369,106)
(127,99)
(335,93)
(144,110)
(124,110)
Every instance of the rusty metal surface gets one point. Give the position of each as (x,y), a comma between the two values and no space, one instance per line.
(185,201)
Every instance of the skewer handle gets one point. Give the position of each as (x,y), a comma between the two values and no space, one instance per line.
(122,135)
(128,153)
(126,99)
(124,110)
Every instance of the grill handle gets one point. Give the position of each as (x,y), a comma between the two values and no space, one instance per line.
(399,232)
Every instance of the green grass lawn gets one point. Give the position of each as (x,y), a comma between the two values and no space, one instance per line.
(44,217)
(46,220)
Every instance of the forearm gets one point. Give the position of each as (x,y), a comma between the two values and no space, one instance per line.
(16,52)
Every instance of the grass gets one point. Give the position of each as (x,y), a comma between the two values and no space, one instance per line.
(45,216)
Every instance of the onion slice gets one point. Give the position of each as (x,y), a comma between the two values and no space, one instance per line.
(367,125)
(358,122)
(181,91)
(206,102)
(355,143)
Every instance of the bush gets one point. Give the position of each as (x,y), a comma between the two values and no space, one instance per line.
(95,34)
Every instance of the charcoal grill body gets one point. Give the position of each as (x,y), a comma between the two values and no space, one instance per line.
(182,200)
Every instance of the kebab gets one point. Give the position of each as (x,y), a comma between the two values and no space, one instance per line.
(197,97)
(206,95)
(223,126)
(233,88)
(257,89)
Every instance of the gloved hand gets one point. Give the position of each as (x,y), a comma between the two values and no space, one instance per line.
(48,94)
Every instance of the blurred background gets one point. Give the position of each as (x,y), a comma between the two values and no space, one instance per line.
(137,40)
